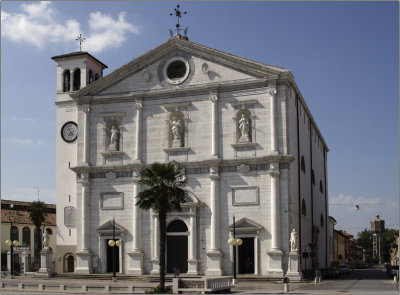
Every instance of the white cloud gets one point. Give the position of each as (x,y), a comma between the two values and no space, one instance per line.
(107,32)
(26,142)
(38,24)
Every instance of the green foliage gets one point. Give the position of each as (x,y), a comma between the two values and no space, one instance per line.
(37,213)
(165,191)
(365,239)
(159,290)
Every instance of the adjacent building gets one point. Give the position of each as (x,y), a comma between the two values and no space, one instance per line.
(240,131)
(17,226)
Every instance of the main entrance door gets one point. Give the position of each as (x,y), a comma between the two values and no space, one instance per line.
(246,256)
(110,257)
(177,247)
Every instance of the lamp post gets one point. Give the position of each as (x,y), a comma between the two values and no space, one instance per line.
(11,244)
(234,242)
(114,244)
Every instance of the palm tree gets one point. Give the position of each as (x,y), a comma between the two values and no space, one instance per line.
(37,214)
(165,192)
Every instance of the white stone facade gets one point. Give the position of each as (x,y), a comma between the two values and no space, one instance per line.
(251,173)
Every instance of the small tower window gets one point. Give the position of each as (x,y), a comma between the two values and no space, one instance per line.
(321,221)
(303,164)
(77,80)
(321,188)
(96,77)
(303,208)
(66,81)
(91,77)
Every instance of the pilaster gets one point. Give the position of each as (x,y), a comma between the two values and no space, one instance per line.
(138,142)
(214,255)
(136,255)
(214,124)
(275,252)
(274,144)
(86,141)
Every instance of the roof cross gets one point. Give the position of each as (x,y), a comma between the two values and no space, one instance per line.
(81,40)
(178,15)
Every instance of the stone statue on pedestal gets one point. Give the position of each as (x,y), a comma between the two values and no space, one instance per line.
(294,241)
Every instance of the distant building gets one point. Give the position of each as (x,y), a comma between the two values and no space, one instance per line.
(16,213)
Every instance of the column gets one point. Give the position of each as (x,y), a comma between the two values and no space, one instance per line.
(84,254)
(214,255)
(274,145)
(275,252)
(136,255)
(138,142)
(155,249)
(192,261)
(214,124)
(86,147)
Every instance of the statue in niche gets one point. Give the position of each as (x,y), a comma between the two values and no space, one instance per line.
(114,139)
(293,241)
(176,132)
(244,127)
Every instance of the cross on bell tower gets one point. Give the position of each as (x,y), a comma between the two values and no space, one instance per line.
(81,40)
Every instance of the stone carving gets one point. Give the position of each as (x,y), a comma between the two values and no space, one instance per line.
(176,131)
(114,139)
(244,127)
(294,241)
(45,239)
(146,75)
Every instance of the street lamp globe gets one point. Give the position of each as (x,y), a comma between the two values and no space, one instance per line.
(15,243)
(239,242)
(111,243)
(8,243)
(118,243)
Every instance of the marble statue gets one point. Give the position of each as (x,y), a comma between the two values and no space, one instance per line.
(244,129)
(293,241)
(176,131)
(114,139)
(45,239)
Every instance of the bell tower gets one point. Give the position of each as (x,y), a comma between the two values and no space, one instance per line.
(74,72)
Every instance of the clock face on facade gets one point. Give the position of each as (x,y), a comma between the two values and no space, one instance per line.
(69,131)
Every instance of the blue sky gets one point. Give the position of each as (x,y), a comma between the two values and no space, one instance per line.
(344,56)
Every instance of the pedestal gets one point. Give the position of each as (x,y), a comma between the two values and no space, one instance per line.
(24,262)
(192,267)
(155,266)
(176,143)
(294,273)
(45,263)
(84,259)
(275,264)
(136,262)
(214,264)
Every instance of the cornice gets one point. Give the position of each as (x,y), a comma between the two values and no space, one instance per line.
(195,164)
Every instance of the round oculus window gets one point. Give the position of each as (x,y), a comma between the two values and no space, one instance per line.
(176,70)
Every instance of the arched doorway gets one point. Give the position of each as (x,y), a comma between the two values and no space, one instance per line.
(69,262)
(177,246)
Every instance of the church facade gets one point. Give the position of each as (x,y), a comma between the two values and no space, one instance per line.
(240,131)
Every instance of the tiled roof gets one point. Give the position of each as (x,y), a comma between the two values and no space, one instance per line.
(20,214)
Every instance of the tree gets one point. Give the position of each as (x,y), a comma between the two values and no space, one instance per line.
(365,239)
(37,214)
(165,192)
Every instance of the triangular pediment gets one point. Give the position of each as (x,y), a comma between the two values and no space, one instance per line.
(246,225)
(207,67)
(107,228)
